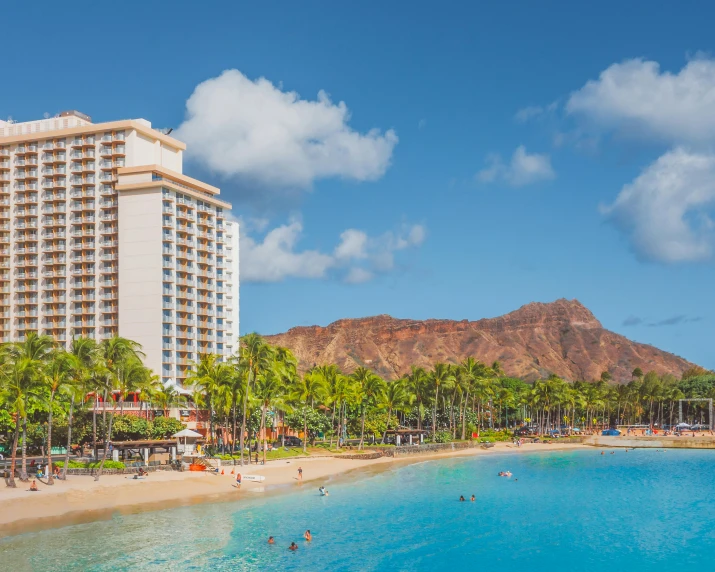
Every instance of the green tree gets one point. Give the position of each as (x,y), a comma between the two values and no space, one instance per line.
(35,349)
(122,369)
(440,376)
(255,355)
(394,398)
(369,387)
(306,391)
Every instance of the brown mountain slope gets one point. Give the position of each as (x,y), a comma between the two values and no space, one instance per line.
(561,337)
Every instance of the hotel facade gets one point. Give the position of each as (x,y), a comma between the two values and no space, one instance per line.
(101,235)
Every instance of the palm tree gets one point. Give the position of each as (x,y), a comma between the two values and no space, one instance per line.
(57,374)
(256,356)
(416,384)
(17,375)
(84,357)
(123,368)
(332,380)
(468,372)
(211,379)
(34,348)
(394,398)
(369,386)
(306,391)
(440,376)
(269,390)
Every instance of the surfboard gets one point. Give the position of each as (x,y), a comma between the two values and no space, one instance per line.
(254,478)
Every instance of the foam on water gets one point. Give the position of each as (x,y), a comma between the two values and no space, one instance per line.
(640,510)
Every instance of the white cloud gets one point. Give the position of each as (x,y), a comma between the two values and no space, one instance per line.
(527,113)
(523,169)
(664,211)
(530,112)
(237,127)
(357,257)
(358,275)
(637,97)
(275,258)
(353,244)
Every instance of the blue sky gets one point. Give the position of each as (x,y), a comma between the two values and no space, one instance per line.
(522,151)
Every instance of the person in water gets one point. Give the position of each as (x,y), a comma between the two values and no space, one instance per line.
(293,546)
(308,537)
(473,498)
(461,498)
(271,540)
(323,491)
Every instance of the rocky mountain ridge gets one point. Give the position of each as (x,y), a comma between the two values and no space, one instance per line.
(561,337)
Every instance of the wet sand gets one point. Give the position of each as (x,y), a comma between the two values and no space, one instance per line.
(82,499)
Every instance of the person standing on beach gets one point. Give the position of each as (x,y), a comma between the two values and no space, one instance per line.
(300,473)
(238,480)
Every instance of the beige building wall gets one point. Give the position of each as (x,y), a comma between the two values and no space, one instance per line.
(140,275)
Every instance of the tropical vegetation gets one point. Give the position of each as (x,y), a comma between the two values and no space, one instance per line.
(44,389)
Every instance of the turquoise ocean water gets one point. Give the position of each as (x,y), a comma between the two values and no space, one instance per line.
(641,510)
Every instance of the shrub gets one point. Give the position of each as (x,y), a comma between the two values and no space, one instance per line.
(107,465)
(78,465)
(443,437)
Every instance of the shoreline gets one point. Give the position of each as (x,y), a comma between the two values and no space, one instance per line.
(81,500)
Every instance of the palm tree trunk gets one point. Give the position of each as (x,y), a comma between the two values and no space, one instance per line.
(362,428)
(69,439)
(245,407)
(13,458)
(94,427)
(419,414)
(233,437)
(50,480)
(305,429)
(332,426)
(23,469)
(464,417)
(106,443)
(434,413)
(340,421)
(389,412)
(263,429)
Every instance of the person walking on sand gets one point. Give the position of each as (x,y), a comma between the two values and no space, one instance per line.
(300,473)
(238,481)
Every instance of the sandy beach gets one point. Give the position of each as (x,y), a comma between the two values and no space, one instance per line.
(82,499)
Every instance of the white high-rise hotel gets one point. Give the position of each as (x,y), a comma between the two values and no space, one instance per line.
(101,234)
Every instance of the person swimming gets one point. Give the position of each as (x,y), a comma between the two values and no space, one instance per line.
(323,491)
(308,537)
(461,498)
(473,498)
(293,546)
(271,540)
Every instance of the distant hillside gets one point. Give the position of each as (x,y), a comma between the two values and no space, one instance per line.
(561,337)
